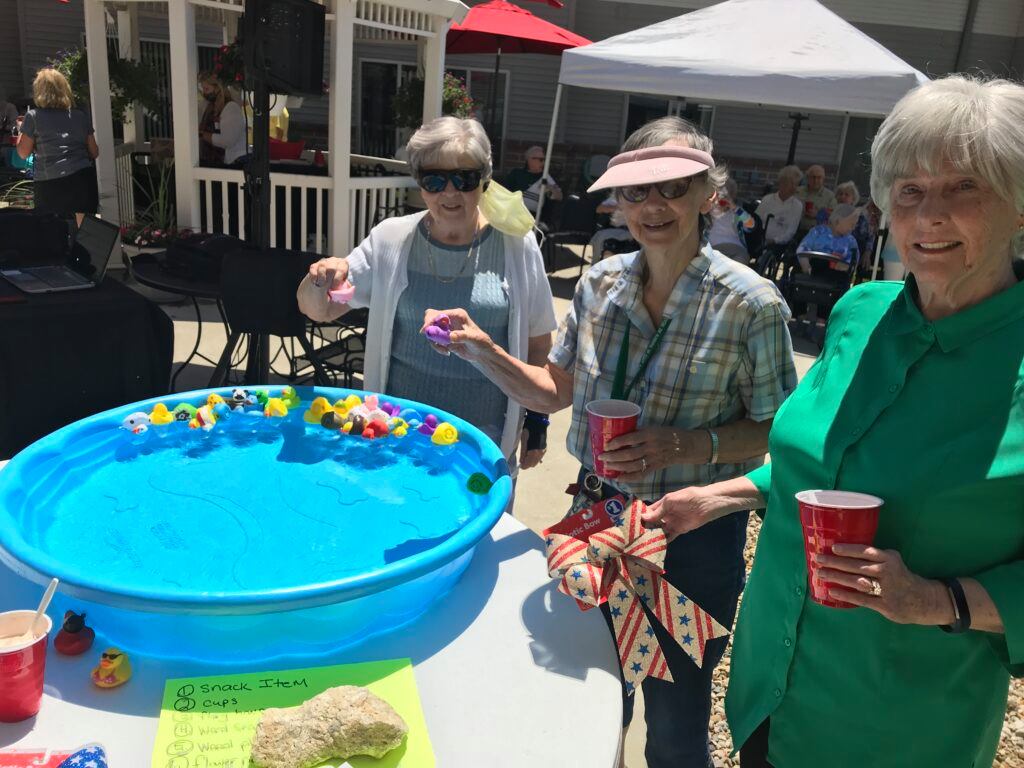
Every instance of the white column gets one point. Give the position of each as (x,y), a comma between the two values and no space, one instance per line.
(99,95)
(340,140)
(433,71)
(181,23)
(128,47)
(230,27)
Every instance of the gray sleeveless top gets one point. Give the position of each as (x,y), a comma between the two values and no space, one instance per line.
(416,371)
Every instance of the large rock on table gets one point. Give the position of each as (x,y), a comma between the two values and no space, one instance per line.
(338,723)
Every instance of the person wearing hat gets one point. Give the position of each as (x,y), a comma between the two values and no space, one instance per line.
(700,343)
(528,180)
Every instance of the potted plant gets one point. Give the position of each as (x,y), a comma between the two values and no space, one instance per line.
(408,101)
(131,82)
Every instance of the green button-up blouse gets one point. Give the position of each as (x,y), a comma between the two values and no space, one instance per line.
(929,416)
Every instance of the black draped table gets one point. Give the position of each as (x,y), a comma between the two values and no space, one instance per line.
(64,356)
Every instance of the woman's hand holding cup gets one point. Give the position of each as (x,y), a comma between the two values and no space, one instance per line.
(636,454)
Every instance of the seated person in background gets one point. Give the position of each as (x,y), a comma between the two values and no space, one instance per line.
(617,230)
(221,126)
(848,194)
(815,197)
(528,180)
(729,224)
(783,206)
(832,238)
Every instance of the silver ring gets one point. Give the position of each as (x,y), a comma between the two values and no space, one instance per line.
(643,463)
(876,588)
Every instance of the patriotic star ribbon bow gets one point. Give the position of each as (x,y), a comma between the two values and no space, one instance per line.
(623,565)
(92,756)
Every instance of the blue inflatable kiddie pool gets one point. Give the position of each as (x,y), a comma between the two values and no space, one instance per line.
(236,525)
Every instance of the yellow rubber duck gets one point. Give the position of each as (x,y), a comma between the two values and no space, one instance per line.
(113,670)
(160,415)
(399,427)
(316,410)
(290,397)
(214,399)
(276,407)
(445,434)
(205,418)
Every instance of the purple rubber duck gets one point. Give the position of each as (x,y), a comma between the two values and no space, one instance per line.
(439,331)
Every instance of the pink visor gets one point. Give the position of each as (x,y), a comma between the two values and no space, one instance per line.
(653,165)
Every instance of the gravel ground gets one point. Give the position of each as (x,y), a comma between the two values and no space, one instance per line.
(1011,746)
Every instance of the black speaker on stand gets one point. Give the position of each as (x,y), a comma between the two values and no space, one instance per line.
(283,49)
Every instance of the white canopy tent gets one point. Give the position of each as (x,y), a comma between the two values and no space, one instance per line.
(779,53)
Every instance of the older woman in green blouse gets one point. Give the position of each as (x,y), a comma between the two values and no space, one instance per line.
(917,397)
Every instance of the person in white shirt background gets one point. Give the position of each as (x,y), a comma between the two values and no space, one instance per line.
(222,125)
(784,207)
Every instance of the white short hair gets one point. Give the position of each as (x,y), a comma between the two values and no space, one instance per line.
(848,186)
(450,139)
(791,172)
(973,123)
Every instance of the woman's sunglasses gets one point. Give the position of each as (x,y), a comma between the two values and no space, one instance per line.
(463,180)
(672,189)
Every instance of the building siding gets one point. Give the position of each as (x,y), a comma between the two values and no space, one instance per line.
(11,80)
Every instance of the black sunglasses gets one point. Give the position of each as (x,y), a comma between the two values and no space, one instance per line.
(109,656)
(462,180)
(672,189)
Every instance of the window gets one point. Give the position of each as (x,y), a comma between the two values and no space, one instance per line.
(480,86)
(377,134)
(643,109)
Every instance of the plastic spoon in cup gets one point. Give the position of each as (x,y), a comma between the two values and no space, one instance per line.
(43,605)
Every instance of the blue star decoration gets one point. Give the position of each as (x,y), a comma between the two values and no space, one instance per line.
(637,667)
(581,593)
(87,757)
(681,600)
(684,620)
(687,638)
(616,611)
(641,580)
(549,541)
(576,574)
(650,631)
(644,599)
(630,687)
(644,650)
(623,594)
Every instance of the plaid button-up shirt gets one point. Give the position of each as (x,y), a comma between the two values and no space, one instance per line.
(726,355)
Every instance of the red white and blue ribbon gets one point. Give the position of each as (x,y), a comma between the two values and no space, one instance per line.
(623,565)
(86,757)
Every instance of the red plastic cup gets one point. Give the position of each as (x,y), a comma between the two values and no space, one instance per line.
(22,666)
(608,419)
(834,517)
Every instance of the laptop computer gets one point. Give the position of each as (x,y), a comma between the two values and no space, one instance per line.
(85,266)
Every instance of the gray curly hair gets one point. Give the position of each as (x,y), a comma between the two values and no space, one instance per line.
(449,139)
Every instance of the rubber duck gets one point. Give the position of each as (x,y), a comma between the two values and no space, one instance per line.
(275,408)
(343,294)
(262,396)
(113,670)
(332,420)
(354,424)
(204,419)
(315,413)
(398,426)
(478,483)
(445,434)
(136,423)
(290,397)
(439,331)
(214,399)
(74,637)
(241,399)
(376,428)
(184,412)
(352,401)
(429,425)
(160,415)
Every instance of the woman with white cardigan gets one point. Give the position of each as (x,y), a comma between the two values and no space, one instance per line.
(449,256)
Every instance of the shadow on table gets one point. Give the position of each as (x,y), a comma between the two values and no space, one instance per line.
(541,612)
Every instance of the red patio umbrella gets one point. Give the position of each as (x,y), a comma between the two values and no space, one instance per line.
(502,27)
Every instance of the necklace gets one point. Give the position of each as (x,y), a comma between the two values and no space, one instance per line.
(469,254)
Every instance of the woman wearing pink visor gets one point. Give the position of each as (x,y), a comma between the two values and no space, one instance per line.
(700,343)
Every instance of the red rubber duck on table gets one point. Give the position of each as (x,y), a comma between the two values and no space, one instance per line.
(74,637)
